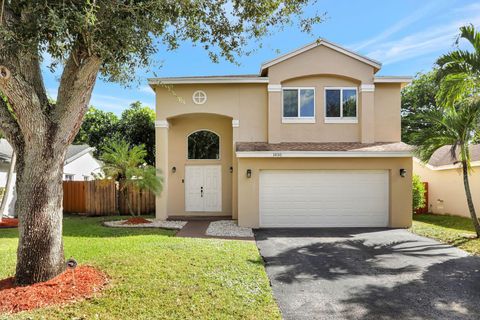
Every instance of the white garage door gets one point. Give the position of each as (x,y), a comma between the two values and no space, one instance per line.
(324,198)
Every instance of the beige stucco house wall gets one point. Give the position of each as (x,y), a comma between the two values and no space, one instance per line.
(248,110)
(446,191)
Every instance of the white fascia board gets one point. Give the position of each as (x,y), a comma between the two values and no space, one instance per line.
(325,43)
(321,154)
(393,79)
(206,80)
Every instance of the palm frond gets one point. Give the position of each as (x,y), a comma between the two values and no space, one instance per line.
(126,164)
(455,127)
(459,70)
(469,33)
(454,87)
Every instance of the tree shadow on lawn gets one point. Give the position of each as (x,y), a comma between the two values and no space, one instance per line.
(350,258)
(446,290)
(91,227)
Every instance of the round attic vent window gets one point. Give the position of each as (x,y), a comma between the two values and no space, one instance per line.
(199,97)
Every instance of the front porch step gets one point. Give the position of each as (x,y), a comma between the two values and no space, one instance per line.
(199,218)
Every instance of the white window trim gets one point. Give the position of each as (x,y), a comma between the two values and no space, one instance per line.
(300,119)
(340,119)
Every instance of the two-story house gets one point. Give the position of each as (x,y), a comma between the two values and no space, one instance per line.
(313,140)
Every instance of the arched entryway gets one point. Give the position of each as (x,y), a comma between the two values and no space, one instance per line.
(200,148)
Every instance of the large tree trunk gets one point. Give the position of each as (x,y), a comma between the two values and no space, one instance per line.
(468,193)
(40,133)
(40,208)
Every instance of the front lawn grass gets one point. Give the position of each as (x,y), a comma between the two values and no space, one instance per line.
(456,231)
(154,275)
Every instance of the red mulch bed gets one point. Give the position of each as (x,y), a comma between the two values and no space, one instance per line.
(136,221)
(59,290)
(9,223)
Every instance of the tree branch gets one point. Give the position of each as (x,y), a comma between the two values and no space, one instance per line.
(9,126)
(24,90)
(76,86)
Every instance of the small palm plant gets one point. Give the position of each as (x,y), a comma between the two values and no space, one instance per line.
(457,128)
(126,164)
(459,70)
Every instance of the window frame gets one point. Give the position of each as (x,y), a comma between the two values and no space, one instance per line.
(298,118)
(219,146)
(340,119)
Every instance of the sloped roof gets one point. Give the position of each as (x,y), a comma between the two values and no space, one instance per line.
(321,42)
(324,146)
(443,157)
(73,151)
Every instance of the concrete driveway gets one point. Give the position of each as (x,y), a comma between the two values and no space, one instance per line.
(368,274)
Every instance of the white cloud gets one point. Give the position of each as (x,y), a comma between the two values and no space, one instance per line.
(108,102)
(434,39)
(115,104)
(400,25)
(147,89)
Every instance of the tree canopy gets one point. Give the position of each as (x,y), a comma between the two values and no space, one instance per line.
(123,35)
(418,100)
(136,126)
(97,127)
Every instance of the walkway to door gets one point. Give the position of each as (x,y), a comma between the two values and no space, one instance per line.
(198,228)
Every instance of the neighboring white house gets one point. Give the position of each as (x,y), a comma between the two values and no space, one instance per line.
(80,165)
(446,192)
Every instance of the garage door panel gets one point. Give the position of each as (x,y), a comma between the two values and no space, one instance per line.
(323,198)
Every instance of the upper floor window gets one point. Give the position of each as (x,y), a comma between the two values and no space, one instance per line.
(298,105)
(341,105)
(203,145)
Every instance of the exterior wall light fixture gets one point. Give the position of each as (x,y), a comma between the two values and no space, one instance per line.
(403,173)
(174,169)
(249,173)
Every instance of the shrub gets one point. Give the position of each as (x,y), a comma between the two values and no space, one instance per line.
(418,192)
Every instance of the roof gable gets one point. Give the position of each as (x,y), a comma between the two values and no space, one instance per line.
(321,42)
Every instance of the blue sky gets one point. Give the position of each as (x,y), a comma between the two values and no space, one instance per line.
(406,36)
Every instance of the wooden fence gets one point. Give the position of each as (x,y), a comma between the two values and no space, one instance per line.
(100,198)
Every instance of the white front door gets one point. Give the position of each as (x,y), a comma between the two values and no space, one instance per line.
(203,188)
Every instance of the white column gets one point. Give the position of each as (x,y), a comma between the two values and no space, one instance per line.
(161,144)
(367,116)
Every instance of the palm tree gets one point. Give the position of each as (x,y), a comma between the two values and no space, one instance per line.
(459,70)
(126,164)
(457,128)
